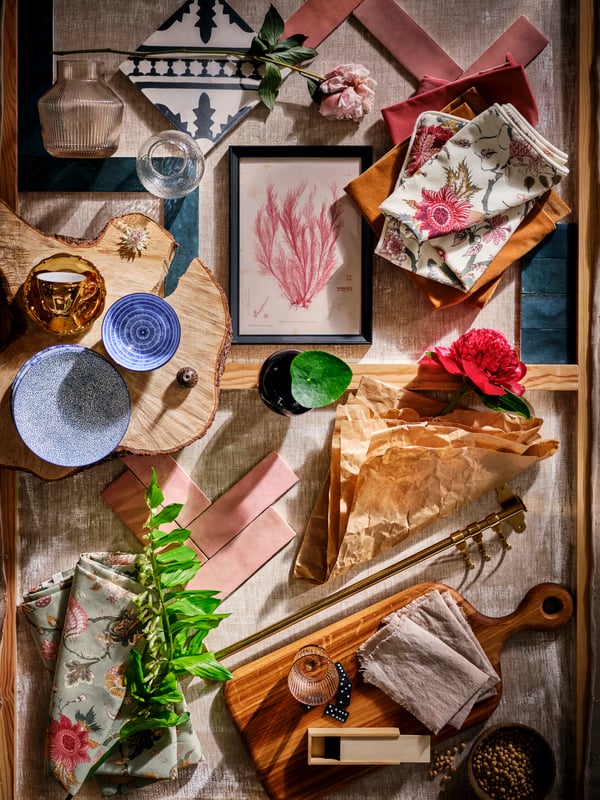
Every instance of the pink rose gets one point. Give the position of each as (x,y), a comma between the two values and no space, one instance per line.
(347,92)
(485,357)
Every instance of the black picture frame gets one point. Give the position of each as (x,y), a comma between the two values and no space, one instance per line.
(300,252)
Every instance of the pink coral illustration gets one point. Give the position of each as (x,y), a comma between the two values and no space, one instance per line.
(296,242)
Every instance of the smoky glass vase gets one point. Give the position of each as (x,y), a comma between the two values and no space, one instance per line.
(80,114)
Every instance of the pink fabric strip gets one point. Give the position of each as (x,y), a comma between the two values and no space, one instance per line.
(243,503)
(410,45)
(175,483)
(244,554)
(316,19)
(393,28)
(522,40)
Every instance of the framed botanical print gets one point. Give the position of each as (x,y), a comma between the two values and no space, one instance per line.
(300,254)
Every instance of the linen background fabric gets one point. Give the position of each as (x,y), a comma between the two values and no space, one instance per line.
(58,521)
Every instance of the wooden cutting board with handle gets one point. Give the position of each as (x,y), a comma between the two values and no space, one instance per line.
(274,726)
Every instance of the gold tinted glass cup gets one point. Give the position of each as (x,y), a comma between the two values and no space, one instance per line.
(60,291)
(313,678)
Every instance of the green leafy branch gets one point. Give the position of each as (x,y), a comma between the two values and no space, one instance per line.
(267,47)
(175,622)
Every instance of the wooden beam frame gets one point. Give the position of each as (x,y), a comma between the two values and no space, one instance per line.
(243,376)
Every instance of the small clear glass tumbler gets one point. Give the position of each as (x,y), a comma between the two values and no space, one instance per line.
(313,678)
(170,164)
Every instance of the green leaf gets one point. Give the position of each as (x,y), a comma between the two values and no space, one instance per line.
(163,538)
(176,555)
(165,515)
(318,378)
(272,27)
(134,677)
(177,577)
(156,722)
(293,56)
(204,665)
(154,496)
(506,402)
(191,606)
(269,86)
(295,40)
(167,691)
(314,89)
(196,623)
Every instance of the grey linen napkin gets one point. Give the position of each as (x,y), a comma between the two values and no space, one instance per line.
(428,660)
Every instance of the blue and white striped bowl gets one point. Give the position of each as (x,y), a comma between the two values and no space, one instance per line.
(141,332)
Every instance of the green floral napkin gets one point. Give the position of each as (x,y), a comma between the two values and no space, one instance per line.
(85,625)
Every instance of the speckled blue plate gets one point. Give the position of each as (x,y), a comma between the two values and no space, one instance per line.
(141,332)
(70,405)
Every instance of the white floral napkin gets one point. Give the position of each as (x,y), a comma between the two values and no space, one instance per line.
(428,660)
(448,218)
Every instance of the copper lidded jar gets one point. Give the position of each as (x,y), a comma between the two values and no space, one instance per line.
(80,114)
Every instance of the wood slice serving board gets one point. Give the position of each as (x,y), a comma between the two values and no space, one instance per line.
(164,416)
(274,726)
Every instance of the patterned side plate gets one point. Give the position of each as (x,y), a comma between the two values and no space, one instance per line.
(70,405)
(141,332)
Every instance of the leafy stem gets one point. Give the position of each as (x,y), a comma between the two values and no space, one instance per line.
(192,54)
(267,47)
(175,621)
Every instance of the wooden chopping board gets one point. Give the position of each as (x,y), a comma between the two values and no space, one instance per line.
(274,726)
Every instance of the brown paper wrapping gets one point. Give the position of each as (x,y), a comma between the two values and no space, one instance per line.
(397,466)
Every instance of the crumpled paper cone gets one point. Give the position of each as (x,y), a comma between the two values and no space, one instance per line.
(85,625)
(397,466)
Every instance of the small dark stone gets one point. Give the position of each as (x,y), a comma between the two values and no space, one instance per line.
(187,377)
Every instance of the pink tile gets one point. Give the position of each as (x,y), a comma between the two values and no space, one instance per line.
(125,496)
(243,555)
(243,503)
(175,483)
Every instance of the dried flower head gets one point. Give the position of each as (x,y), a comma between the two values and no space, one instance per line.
(133,242)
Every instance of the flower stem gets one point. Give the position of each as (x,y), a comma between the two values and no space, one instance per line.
(454,400)
(191,54)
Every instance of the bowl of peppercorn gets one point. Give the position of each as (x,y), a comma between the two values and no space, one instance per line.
(512,762)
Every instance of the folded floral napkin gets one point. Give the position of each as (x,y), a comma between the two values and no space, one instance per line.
(373,186)
(464,189)
(396,466)
(428,660)
(84,624)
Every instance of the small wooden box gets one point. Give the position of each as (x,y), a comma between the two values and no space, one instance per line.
(365,746)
